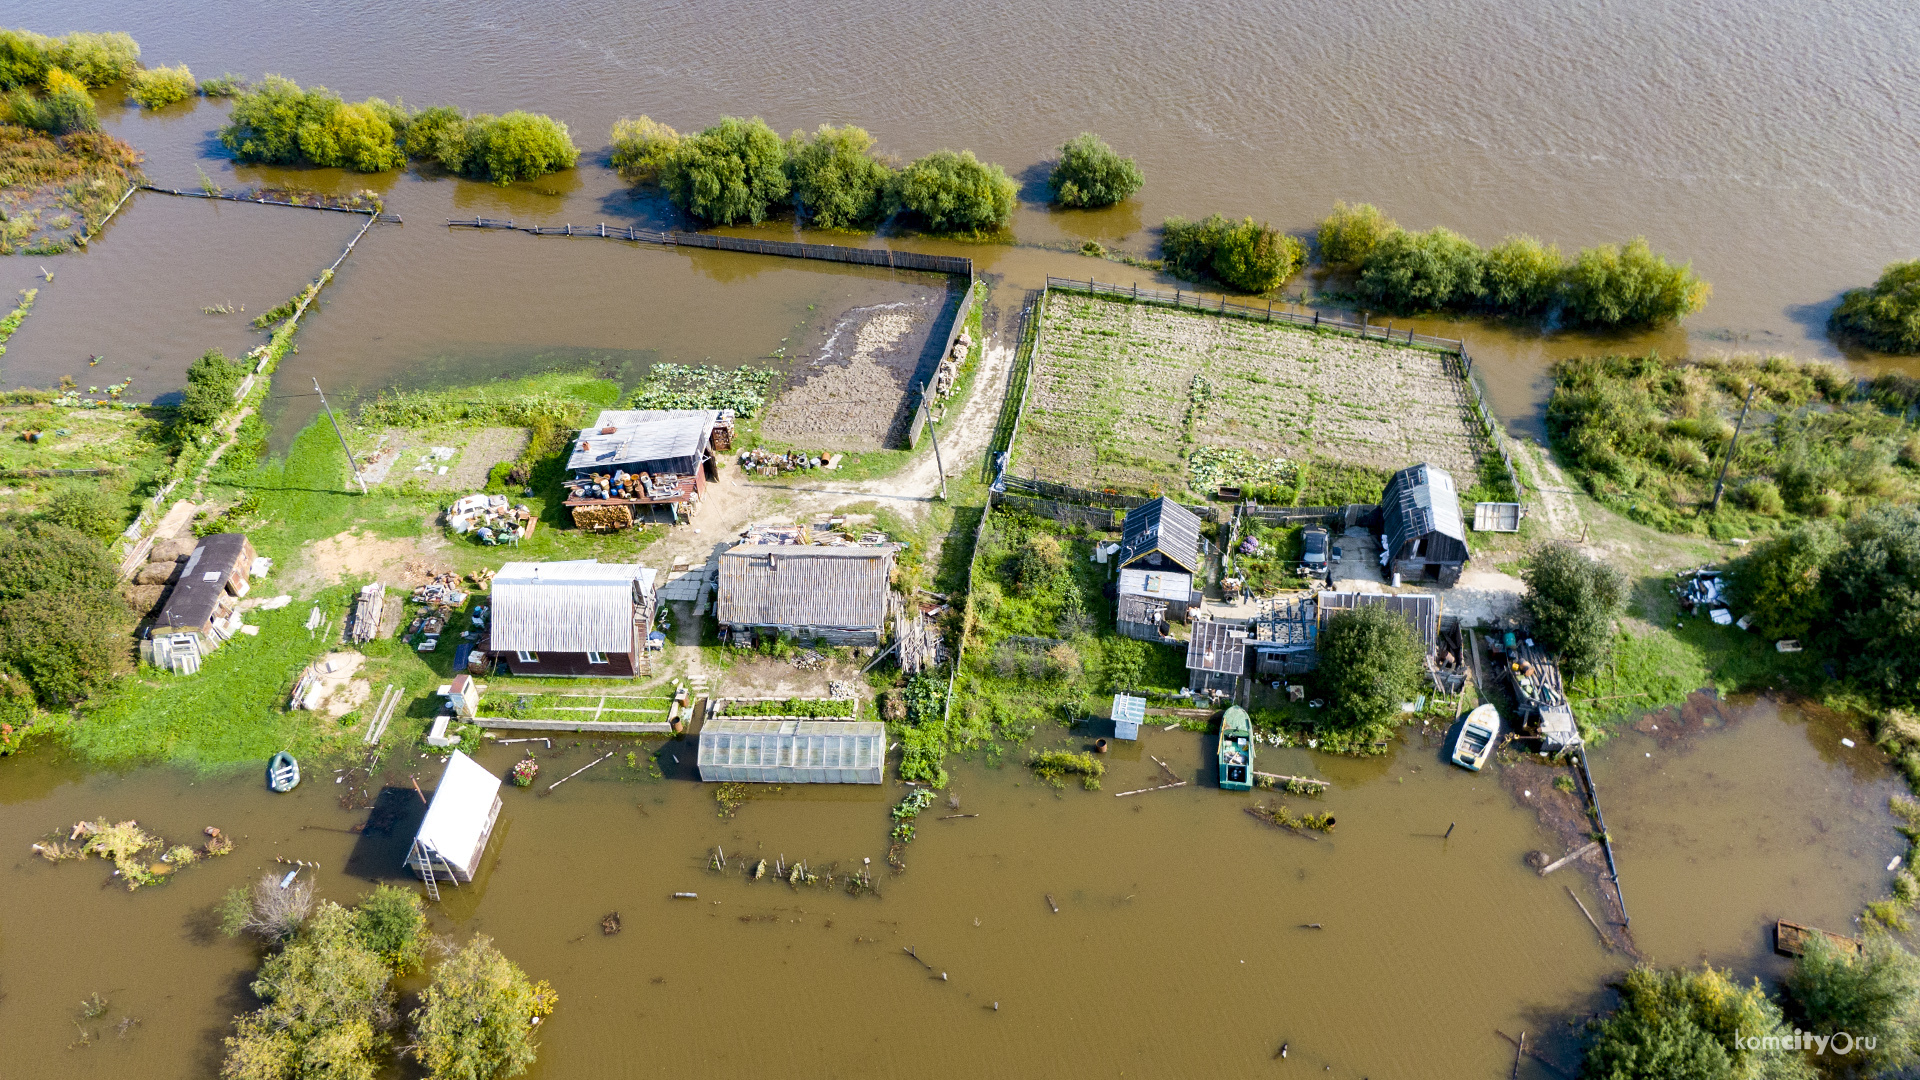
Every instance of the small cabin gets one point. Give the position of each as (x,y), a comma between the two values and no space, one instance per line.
(1129,713)
(458,824)
(199,613)
(1160,564)
(1216,656)
(644,465)
(839,595)
(577,619)
(776,750)
(1426,539)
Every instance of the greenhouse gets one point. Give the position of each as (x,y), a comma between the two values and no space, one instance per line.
(786,751)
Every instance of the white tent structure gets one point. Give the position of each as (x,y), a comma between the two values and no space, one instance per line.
(454,833)
(776,751)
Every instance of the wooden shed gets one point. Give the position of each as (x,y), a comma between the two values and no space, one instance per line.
(839,595)
(1217,655)
(787,751)
(1159,560)
(458,824)
(1420,518)
(201,605)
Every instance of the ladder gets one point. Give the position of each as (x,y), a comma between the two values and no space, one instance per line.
(422,857)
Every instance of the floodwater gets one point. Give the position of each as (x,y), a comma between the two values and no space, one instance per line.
(1770,146)
(1180,946)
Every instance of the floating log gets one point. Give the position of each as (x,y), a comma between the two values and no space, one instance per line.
(951,817)
(579,770)
(1589,915)
(1165,768)
(1051,904)
(1558,863)
(1284,778)
(686,896)
(1144,790)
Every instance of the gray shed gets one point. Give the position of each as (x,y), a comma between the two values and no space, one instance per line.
(1128,714)
(1420,518)
(776,751)
(834,594)
(1217,655)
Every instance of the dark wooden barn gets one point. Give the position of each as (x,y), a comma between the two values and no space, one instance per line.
(1420,518)
(1159,562)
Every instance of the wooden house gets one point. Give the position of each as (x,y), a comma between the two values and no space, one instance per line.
(1420,519)
(644,465)
(785,750)
(199,613)
(840,595)
(459,821)
(1160,567)
(1217,656)
(581,619)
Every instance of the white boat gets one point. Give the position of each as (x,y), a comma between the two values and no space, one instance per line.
(1478,734)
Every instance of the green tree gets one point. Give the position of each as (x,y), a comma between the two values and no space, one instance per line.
(1522,277)
(268,117)
(1782,580)
(156,88)
(1434,270)
(1572,601)
(391,921)
(425,129)
(1349,235)
(1876,993)
(24,59)
(211,381)
(733,171)
(1682,1025)
(504,149)
(327,1006)
(1610,286)
(957,192)
(476,1020)
(68,645)
(837,180)
(357,136)
(1873,597)
(1885,317)
(1090,174)
(1243,255)
(50,558)
(1371,661)
(90,510)
(96,59)
(642,148)
(1125,663)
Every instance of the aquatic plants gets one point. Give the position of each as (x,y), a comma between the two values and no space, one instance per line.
(906,810)
(65,109)
(732,172)
(1887,315)
(838,182)
(1277,814)
(126,845)
(15,317)
(477,1018)
(692,386)
(956,193)
(1572,602)
(1245,255)
(156,88)
(1089,173)
(1053,765)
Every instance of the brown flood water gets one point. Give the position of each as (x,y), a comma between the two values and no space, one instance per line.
(1179,947)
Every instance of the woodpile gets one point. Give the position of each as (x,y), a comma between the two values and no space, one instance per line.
(603,518)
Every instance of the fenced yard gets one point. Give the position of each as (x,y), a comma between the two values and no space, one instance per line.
(1122,394)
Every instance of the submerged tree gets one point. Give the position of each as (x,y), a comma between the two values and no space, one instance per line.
(1610,286)
(642,148)
(1572,601)
(327,1006)
(1423,271)
(1348,235)
(1091,174)
(1371,662)
(837,180)
(1690,1025)
(1246,255)
(476,1020)
(732,172)
(1887,316)
(957,192)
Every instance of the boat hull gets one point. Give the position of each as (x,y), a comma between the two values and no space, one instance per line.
(1478,735)
(283,772)
(1236,750)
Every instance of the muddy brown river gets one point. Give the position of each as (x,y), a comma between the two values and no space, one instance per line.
(1771,146)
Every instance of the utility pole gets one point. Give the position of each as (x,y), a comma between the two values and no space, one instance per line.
(352,464)
(937,463)
(1720,484)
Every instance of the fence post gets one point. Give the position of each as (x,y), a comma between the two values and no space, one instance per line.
(1316,319)
(1136,290)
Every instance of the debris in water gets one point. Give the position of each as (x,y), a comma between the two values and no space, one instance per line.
(610,925)
(760,871)
(688,896)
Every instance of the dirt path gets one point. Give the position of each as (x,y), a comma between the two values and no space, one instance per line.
(1555,494)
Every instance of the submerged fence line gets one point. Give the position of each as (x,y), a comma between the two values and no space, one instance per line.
(897,260)
(380,215)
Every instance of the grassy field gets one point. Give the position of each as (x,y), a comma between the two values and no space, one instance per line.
(1139,398)
(132,444)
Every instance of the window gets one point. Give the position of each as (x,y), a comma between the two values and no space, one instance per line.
(596,658)
(529,657)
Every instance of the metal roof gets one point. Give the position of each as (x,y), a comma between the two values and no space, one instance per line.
(1419,501)
(456,821)
(792,751)
(641,436)
(1163,526)
(196,593)
(843,588)
(574,607)
(1129,709)
(1218,646)
(1421,610)
(1158,584)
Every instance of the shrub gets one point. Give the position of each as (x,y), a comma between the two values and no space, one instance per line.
(1091,174)
(476,1020)
(1521,277)
(1254,258)
(1429,271)
(1610,286)
(1872,587)
(68,645)
(96,59)
(1572,601)
(1039,563)
(1885,317)
(1125,664)
(1371,661)
(1683,1024)
(1875,993)
(45,557)
(503,149)
(89,510)
(224,86)
(211,381)
(24,59)
(837,182)
(268,911)
(67,107)
(957,192)
(156,88)
(731,172)
(1781,580)
(1348,235)
(642,148)
(1762,497)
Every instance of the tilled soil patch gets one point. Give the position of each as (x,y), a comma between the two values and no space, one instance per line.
(856,393)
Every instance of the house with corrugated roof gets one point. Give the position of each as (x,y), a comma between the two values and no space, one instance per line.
(1160,567)
(1426,538)
(199,612)
(579,619)
(644,465)
(839,595)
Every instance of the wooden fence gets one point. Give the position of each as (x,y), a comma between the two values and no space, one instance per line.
(898,260)
(1045,489)
(953,333)
(1315,320)
(391,219)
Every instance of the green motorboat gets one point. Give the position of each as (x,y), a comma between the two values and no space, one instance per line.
(1236,750)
